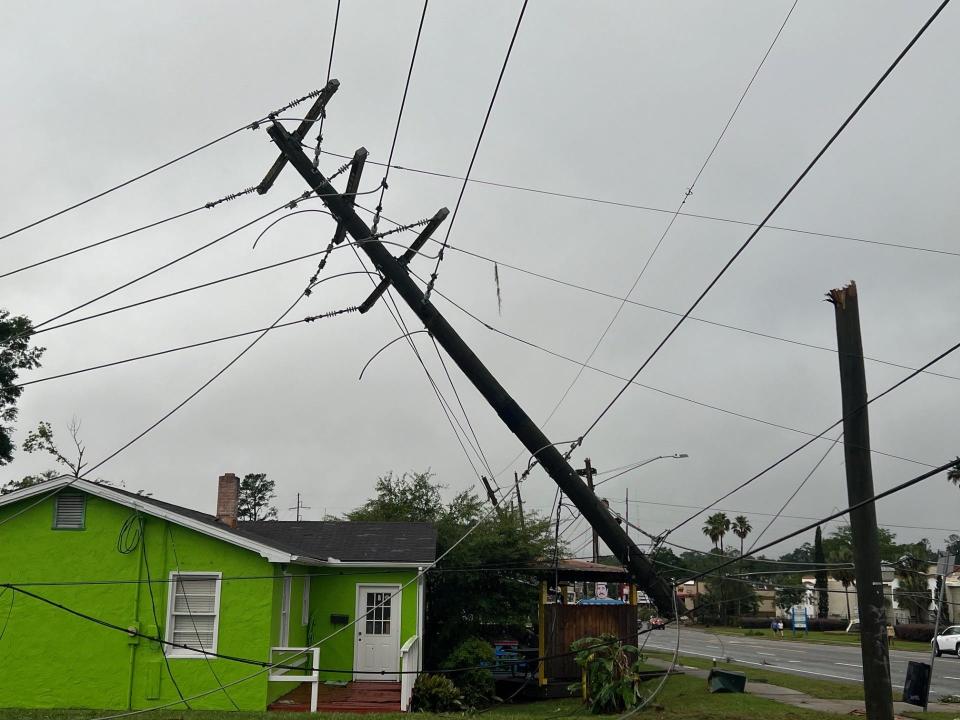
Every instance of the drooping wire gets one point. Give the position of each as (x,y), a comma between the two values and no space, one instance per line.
(323,115)
(667,393)
(186,600)
(669,226)
(476,149)
(799,487)
(396,129)
(746,243)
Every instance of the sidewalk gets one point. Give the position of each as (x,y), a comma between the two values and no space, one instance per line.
(800,699)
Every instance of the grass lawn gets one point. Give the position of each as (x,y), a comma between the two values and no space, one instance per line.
(829,637)
(683,698)
(815,687)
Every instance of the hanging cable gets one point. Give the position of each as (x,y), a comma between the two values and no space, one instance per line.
(476,149)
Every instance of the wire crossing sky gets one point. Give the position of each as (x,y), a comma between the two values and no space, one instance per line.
(601,121)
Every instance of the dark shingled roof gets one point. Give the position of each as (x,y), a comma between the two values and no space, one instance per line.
(402,542)
(347,541)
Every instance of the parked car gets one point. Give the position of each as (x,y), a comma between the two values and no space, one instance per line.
(947,641)
(658,623)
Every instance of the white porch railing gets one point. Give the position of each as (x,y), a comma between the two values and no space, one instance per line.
(409,665)
(298,657)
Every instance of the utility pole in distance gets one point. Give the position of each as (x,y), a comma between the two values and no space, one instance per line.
(533,439)
(298,507)
(588,471)
(863,521)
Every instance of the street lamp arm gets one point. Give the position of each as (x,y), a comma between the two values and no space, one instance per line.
(674,456)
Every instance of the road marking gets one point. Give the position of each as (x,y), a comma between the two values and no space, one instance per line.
(794,661)
(849,665)
(767,654)
(950,678)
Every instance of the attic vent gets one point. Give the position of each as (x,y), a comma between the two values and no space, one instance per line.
(69,512)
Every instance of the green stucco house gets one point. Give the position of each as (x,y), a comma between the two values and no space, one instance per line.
(224,599)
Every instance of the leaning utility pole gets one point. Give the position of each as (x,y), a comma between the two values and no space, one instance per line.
(863,521)
(505,406)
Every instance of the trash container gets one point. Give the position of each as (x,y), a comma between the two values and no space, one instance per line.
(916,686)
(726,681)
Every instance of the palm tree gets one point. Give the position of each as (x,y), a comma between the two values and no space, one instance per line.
(716,527)
(741,528)
(846,576)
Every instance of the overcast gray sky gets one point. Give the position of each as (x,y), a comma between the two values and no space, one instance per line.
(615,100)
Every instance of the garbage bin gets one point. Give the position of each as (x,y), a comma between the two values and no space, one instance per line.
(726,681)
(916,686)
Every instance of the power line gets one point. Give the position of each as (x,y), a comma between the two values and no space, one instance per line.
(190,346)
(164,266)
(476,149)
(793,452)
(660,391)
(249,126)
(664,211)
(669,226)
(770,214)
(714,323)
(333,45)
(766,514)
(806,528)
(127,182)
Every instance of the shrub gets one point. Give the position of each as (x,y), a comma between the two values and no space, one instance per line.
(921,632)
(827,624)
(476,685)
(435,693)
(753,623)
(612,670)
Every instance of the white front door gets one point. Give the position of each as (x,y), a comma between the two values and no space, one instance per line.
(377,647)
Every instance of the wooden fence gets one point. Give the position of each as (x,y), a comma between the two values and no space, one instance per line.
(566,623)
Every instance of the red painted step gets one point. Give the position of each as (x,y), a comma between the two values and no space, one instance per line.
(355,697)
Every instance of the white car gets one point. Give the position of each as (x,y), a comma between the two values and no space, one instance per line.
(947,641)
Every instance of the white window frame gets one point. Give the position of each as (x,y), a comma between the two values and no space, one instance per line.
(285,593)
(178,652)
(305,608)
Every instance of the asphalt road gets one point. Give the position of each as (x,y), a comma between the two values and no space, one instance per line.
(828,662)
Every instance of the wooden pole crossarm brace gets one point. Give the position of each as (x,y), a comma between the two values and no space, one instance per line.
(313,114)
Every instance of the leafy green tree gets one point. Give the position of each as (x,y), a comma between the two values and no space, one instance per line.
(846,576)
(788,591)
(256,494)
(15,355)
(28,481)
(480,588)
(802,554)
(822,575)
(724,597)
(913,593)
(953,544)
(42,440)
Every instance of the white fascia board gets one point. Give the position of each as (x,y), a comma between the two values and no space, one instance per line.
(271,554)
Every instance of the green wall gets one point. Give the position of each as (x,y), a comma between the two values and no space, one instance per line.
(49,658)
(335,592)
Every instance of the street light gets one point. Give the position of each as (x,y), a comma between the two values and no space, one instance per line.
(674,456)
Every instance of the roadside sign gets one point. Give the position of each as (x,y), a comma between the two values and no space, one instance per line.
(601,591)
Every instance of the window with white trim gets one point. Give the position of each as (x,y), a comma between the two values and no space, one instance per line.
(285,611)
(305,609)
(69,511)
(193,613)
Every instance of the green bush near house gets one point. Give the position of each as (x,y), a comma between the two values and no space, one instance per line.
(435,694)
(476,684)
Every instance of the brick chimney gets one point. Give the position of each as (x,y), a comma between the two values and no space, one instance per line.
(228,494)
